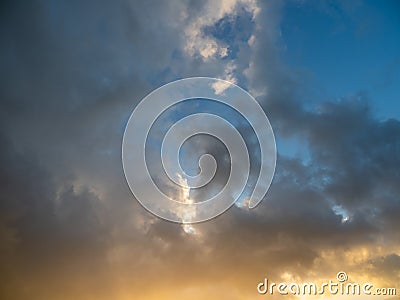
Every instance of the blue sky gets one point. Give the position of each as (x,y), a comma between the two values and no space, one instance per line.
(346,48)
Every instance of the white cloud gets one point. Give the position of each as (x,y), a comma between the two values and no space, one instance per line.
(207,47)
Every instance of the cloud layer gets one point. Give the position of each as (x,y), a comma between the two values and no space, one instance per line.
(69,227)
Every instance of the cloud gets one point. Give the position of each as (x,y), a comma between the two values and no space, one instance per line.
(70,228)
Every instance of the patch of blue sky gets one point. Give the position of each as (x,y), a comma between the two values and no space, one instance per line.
(292,147)
(347,48)
(232,31)
(191,106)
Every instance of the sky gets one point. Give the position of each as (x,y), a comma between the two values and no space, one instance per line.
(327,75)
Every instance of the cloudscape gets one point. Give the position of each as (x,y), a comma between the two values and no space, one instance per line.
(326,73)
